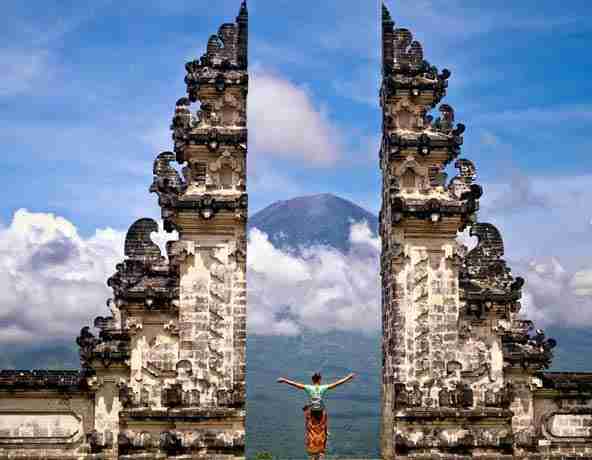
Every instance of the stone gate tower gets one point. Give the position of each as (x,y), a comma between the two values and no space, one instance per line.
(165,377)
(461,371)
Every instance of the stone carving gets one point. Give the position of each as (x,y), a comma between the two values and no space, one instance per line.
(87,343)
(576,425)
(457,359)
(127,397)
(172,328)
(97,441)
(145,276)
(171,443)
(462,372)
(139,244)
(412,176)
(40,379)
(182,123)
(408,53)
(462,186)
(396,146)
(226,52)
(461,396)
(45,429)
(521,349)
(455,440)
(208,206)
(484,273)
(404,66)
(172,396)
(431,210)
(161,358)
(500,398)
(167,184)
(226,164)
(407,397)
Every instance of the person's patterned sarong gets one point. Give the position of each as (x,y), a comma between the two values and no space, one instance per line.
(315,436)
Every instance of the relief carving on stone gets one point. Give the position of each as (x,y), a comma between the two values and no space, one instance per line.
(227,172)
(412,176)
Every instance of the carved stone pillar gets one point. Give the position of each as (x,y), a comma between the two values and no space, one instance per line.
(456,356)
(208,207)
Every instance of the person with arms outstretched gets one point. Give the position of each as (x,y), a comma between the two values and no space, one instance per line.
(315,415)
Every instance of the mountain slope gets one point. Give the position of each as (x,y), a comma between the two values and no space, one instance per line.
(318,219)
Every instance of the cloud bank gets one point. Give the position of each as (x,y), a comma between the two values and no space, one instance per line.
(285,122)
(321,290)
(53,282)
(554,296)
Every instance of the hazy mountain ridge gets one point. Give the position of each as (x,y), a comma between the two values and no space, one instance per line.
(318,219)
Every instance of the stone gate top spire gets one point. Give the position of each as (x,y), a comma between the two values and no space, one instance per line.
(386,15)
(404,66)
(228,48)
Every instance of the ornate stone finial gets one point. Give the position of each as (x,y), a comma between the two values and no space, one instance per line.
(408,52)
(87,342)
(138,244)
(486,270)
(489,250)
(162,169)
(387,41)
(243,36)
(226,56)
(386,15)
(404,67)
(167,184)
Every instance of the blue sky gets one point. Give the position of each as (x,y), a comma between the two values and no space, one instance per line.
(87,92)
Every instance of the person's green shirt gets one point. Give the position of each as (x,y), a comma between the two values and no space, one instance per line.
(316,392)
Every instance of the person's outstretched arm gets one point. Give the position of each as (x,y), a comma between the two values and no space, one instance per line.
(342,381)
(300,386)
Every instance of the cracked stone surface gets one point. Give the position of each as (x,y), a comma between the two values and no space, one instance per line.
(164,375)
(463,373)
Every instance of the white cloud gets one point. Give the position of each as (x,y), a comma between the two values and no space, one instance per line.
(361,235)
(554,296)
(323,289)
(544,221)
(278,266)
(517,195)
(284,122)
(52,281)
(541,216)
